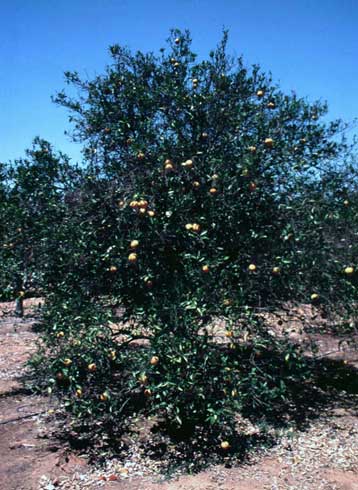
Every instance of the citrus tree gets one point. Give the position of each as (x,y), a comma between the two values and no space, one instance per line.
(209,198)
(32,203)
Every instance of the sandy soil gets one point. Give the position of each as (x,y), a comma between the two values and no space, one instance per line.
(322,454)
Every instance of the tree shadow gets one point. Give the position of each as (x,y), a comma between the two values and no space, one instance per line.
(332,384)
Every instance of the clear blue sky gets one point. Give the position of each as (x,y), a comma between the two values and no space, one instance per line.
(310,46)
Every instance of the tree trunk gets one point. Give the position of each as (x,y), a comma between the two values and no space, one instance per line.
(19,306)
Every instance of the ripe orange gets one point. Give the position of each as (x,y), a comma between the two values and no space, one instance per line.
(260,93)
(196,184)
(314,296)
(188,226)
(169,167)
(60,334)
(132,257)
(271,105)
(142,211)
(229,333)
(134,244)
(92,367)
(151,214)
(252,267)
(103,396)
(225,445)
(205,268)
(143,203)
(252,149)
(213,191)
(113,268)
(67,362)
(276,271)
(269,142)
(187,163)
(349,270)
(140,155)
(196,227)
(133,204)
(79,393)
(154,360)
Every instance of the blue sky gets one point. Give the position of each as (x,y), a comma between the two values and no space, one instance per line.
(310,46)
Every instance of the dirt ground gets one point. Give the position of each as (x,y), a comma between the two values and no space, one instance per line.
(322,454)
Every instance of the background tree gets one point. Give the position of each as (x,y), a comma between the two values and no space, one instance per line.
(33,204)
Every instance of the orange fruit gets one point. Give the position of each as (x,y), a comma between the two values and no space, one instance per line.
(276,270)
(269,142)
(67,362)
(132,257)
(143,203)
(314,297)
(113,268)
(154,360)
(213,191)
(205,268)
(134,244)
(92,367)
(140,155)
(225,445)
(252,267)
(151,214)
(196,227)
(349,270)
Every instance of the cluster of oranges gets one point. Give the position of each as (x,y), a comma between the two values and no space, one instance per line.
(142,207)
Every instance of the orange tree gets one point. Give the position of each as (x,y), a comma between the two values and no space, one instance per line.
(208,199)
(32,203)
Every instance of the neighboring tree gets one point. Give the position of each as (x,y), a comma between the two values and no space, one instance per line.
(210,198)
(32,205)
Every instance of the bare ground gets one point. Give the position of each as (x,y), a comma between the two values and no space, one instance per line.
(321,454)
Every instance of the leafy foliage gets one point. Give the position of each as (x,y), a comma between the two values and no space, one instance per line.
(208,199)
